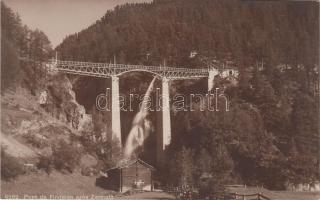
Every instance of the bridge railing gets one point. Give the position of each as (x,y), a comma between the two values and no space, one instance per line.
(129,67)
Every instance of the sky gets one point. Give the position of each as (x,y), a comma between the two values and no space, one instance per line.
(60,18)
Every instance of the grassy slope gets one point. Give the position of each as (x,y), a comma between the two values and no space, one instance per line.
(54,184)
(18,108)
(21,115)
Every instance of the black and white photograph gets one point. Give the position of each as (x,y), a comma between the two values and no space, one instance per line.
(160,99)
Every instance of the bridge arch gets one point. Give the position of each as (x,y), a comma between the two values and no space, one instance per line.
(141,70)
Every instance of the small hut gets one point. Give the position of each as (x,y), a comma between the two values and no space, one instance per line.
(131,175)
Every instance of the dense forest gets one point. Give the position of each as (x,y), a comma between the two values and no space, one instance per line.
(20,47)
(245,32)
(270,135)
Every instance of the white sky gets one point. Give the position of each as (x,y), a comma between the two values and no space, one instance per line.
(59,18)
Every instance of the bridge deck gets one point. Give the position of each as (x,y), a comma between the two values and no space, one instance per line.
(107,70)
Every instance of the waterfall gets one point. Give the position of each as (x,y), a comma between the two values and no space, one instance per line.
(141,126)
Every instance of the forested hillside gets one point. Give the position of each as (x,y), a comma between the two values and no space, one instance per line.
(270,136)
(20,44)
(246,32)
(34,131)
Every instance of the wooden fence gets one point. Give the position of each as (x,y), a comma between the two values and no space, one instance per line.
(256,196)
(189,193)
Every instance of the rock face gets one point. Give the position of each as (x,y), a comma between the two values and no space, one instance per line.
(31,125)
(61,103)
(54,94)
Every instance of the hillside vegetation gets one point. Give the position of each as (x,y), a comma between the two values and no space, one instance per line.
(245,32)
(20,43)
(270,136)
(32,133)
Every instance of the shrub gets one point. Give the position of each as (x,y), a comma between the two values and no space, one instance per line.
(184,192)
(107,151)
(45,163)
(35,141)
(65,156)
(10,166)
(211,189)
(88,171)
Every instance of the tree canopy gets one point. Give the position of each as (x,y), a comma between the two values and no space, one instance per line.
(20,44)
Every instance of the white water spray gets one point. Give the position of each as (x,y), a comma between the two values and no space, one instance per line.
(141,126)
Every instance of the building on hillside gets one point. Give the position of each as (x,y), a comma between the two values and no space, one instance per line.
(229,72)
(132,175)
(311,187)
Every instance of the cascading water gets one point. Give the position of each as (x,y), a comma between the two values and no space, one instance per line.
(141,126)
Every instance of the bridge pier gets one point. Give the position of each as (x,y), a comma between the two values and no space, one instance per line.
(115,110)
(166,113)
(212,74)
(164,122)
